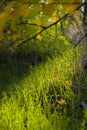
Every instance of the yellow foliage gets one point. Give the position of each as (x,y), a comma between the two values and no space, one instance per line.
(4,17)
(73,4)
(39,37)
(68,83)
(22,1)
(24,10)
(16,36)
(62,102)
(53,19)
(18,8)
(71,8)
(51,1)
(35,10)
(1,37)
(54,80)
(48,9)
(37,22)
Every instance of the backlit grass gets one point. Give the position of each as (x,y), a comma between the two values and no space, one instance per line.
(41,97)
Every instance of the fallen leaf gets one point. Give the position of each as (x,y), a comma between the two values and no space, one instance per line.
(62,102)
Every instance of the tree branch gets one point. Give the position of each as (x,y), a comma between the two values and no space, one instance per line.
(32,24)
(82,4)
(45,28)
(80,40)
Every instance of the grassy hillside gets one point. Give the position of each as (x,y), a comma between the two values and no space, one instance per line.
(44,97)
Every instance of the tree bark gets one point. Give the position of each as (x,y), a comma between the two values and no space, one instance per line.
(84,57)
(85,18)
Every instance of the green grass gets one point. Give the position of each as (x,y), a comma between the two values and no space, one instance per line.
(41,97)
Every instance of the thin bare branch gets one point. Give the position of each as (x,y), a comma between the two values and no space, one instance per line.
(42,30)
(80,40)
(32,24)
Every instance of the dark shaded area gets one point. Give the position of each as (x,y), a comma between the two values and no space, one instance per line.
(15,67)
(12,70)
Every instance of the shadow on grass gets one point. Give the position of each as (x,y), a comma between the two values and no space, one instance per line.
(14,68)
(12,71)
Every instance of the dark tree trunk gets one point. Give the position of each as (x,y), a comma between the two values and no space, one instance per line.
(84,57)
(85,18)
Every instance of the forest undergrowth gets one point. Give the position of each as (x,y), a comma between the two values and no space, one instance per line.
(51,95)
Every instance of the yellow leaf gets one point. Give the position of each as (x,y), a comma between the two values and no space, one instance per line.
(53,19)
(48,9)
(62,102)
(68,83)
(39,37)
(37,22)
(55,80)
(71,8)
(21,10)
(24,9)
